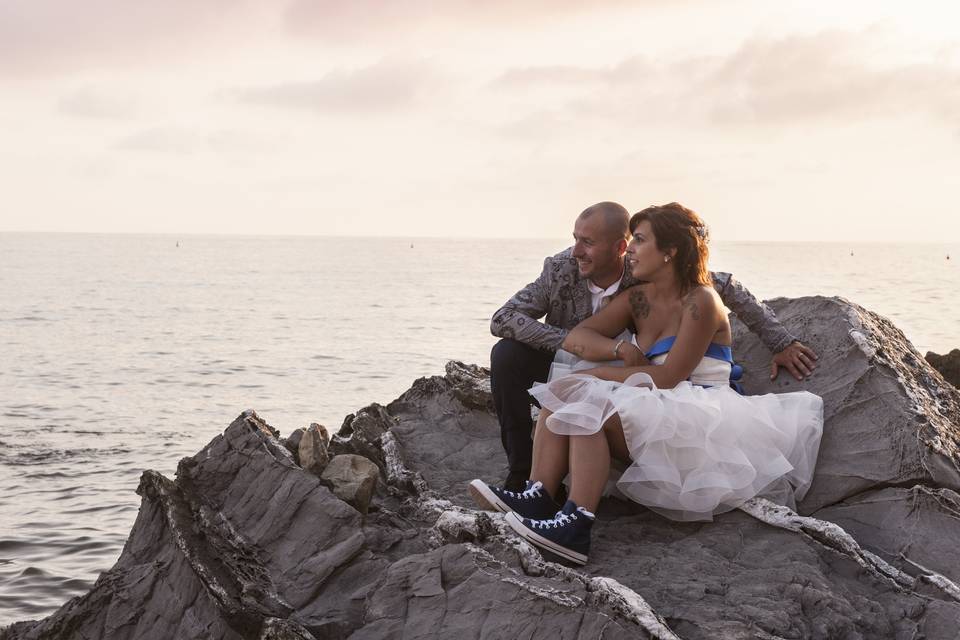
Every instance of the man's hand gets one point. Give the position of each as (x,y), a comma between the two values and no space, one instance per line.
(632,356)
(798,359)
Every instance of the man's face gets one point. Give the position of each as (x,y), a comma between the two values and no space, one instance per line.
(598,252)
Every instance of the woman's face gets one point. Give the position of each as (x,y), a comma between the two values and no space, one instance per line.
(643,256)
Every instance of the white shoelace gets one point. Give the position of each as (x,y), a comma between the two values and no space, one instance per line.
(558,521)
(532,492)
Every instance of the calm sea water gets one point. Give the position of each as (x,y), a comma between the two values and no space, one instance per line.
(123,353)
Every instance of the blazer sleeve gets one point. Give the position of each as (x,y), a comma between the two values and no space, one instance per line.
(519,318)
(759,318)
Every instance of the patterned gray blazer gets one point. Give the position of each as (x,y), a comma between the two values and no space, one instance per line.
(561,294)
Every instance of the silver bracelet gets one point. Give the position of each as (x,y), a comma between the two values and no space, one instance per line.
(616,349)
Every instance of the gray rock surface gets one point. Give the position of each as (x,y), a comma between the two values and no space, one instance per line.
(246,544)
(890,455)
(352,478)
(890,420)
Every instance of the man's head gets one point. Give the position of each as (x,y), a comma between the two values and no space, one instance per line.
(600,239)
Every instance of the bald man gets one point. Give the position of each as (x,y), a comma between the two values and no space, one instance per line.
(574,284)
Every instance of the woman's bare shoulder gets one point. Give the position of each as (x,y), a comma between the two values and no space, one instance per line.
(702,299)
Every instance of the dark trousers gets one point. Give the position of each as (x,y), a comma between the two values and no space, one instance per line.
(514,367)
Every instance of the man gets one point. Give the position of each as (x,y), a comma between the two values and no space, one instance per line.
(574,284)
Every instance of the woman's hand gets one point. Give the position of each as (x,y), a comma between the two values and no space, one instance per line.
(632,355)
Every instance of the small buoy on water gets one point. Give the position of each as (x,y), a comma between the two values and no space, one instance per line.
(851,253)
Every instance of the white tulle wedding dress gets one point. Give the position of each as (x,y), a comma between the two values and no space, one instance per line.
(700,448)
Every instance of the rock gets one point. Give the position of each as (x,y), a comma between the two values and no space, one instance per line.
(360,434)
(471,385)
(731,578)
(278,629)
(948,365)
(905,526)
(292,443)
(244,544)
(352,479)
(312,449)
(890,420)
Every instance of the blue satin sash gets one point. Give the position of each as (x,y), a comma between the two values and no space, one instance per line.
(714,350)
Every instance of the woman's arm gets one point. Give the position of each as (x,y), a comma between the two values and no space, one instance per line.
(593,339)
(699,321)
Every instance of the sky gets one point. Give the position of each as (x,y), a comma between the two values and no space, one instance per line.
(776,121)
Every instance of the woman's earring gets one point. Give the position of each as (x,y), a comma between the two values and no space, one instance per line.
(666,258)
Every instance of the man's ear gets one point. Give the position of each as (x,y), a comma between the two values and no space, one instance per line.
(621,247)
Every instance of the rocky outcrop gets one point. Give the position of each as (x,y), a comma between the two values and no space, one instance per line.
(245,543)
(948,365)
(890,454)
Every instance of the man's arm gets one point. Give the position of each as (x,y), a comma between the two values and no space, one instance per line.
(788,351)
(520,317)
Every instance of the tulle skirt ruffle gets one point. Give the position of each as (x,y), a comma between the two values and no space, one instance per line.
(695,451)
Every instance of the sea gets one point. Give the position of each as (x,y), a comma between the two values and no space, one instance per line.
(121,353)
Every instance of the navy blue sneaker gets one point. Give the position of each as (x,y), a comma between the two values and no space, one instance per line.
(567,534)
(533,502)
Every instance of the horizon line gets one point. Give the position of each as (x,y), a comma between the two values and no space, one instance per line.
(400,237)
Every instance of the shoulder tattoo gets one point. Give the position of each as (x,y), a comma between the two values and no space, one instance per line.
(639,304)
(691,304)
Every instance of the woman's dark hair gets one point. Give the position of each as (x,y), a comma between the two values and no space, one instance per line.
(676,227)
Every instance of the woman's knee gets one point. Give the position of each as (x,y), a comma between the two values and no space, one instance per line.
(612,425)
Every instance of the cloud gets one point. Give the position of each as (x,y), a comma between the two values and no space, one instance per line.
(825,76)
(163,140)
(546,76)
(828,76)
(338,20)
(58,36)
(186,141)
(53,36)
(89,102)
(385,86)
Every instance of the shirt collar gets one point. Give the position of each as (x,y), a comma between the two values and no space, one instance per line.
(594,289)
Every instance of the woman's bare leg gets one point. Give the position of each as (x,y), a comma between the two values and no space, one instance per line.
(590,462)
(613,429)
(550,456)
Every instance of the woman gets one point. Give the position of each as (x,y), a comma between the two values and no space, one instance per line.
(694,446)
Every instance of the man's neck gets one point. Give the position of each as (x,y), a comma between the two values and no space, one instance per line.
(607,280)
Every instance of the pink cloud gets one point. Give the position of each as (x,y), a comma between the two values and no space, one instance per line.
(828,75)
(341,20)
(377,88)
(54,36)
